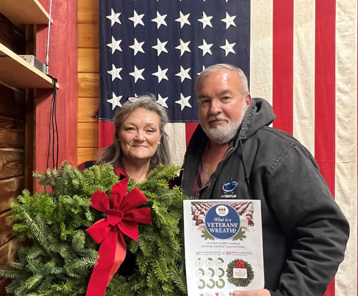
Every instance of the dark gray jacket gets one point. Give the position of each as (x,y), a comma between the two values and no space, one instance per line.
(304,231)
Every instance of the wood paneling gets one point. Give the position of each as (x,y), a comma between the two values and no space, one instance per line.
(88,60)
(5,228)
(8,252)
(88,109)
(3,284)
(88,79)
(88,35)
(11,163)
(87,135)
(11,35)
(88,11)
(12,133)
(85,154)
(13,107)
(9,190)
(88,85)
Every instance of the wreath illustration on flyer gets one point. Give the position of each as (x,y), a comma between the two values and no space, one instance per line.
(223,246)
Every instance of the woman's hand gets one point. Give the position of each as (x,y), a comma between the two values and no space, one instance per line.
(261,292)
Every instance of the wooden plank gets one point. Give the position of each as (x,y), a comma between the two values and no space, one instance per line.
(88,60)
(86,154)
(11,163)
(12,133)
(30,129)
(87,135)
(87,11)
(20,73)
(11,36)
(8,252)
(5,228)
(88,109)
(3,283)
(88,85)
(88,35)
(12,103)
(9,190)
(24,11)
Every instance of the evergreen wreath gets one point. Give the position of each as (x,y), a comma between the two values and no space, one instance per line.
(58,256)
(239,282)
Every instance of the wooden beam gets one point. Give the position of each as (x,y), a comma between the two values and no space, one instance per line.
(12,162)
(10,189)
(12,133)
(24,11)
(88,60)
(87,135)
(88,109)
(88,85)
(86,154)
(88,35)
(5,228)
(87,11)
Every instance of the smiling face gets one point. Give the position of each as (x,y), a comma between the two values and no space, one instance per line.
(139,135)
(221,105)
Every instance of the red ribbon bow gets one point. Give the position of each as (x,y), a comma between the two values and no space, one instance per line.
(122,217)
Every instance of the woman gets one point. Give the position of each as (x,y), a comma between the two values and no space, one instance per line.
(140,142)
(139,145)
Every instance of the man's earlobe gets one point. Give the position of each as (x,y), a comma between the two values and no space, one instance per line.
(248,99)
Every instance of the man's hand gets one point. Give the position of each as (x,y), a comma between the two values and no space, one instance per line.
(261,292)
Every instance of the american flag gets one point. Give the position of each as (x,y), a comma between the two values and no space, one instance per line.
(301,56)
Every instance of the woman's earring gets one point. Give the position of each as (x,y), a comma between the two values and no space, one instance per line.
(159,142)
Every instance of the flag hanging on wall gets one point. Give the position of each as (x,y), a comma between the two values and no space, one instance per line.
(301,56)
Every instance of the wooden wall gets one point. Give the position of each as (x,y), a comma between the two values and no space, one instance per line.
(88,79)
(15,106)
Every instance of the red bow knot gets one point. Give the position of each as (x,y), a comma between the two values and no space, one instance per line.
(122,217)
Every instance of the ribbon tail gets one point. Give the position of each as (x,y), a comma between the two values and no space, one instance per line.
(112,252)
(119,256)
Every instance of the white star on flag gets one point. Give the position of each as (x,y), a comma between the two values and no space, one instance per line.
(183,102)
(160,20)
(183,47)
(160,47)
(137,46)
(228,47)
(115,101)
(205,20)
(137,74)
(162,101)
(183,19)
(161,74)
(115,72)
(137,19)
(205,47)
(229,21)
(114,17)
(184,73)
(203,68)
(115,45)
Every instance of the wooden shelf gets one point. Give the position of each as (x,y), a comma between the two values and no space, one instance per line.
(24,11)
(18,73)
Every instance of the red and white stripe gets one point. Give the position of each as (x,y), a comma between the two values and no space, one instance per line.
(304,62)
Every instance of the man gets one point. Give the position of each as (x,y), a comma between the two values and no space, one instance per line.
(304,231)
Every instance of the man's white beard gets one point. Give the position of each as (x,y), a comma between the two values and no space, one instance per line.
(224,134)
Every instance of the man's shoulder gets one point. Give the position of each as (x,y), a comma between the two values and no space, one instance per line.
(277,135)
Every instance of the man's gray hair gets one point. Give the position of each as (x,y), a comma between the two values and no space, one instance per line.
(244,89)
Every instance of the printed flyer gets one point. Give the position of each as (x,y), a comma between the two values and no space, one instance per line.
(223,246)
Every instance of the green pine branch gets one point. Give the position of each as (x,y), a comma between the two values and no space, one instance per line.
(61,257)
